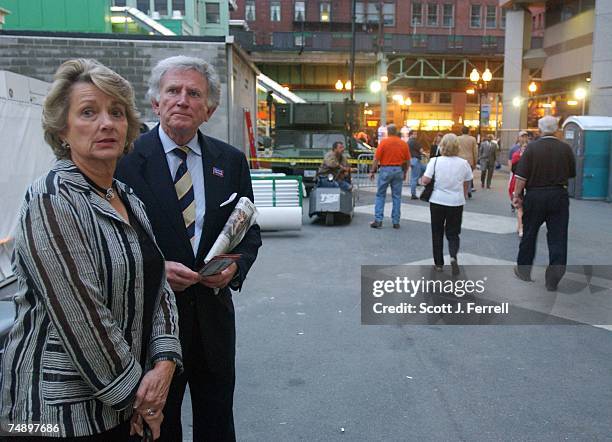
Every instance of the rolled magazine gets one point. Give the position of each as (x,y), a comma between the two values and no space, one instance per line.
(239,222)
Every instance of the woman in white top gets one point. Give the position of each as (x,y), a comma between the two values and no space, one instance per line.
(452,177)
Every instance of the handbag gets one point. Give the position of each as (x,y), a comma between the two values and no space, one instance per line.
(428,190)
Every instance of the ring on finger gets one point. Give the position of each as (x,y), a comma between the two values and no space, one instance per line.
(150,412)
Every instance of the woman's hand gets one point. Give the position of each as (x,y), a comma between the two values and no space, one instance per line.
(153,391)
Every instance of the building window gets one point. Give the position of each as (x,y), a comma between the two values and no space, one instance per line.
(213,15)
(161,6)
(275,11)
(178,5)
(502,19)
(448,15)
(249,10)
(417,14)
(118,2)
(475,17)
(432,14)
(298,40)
(300,11)
(445,98)
(359,13)
(325,12)
(389,14)
(491,20)
(428,97)
(143,5)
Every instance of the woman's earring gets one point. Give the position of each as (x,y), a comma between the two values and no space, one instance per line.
(65,145)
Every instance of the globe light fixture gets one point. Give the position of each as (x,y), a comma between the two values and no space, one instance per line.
(474,76)
(339,85)
(486,76)
(532,87)
(516,101)
(580,93)
(375,86)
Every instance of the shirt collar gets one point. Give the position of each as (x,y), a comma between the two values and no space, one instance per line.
(170,145)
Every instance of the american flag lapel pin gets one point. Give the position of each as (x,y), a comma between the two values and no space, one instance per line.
(218,172)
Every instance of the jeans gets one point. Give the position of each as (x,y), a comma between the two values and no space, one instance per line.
(550,205)
(445,219)
(416,171)
(393,176)
(344,185)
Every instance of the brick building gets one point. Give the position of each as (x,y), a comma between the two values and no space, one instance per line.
(427,49)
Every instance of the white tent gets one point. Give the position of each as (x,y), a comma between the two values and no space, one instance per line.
(24,155)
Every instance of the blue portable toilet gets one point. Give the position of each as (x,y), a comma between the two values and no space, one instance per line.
(590,138)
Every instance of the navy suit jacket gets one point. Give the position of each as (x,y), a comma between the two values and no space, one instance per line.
(145,169)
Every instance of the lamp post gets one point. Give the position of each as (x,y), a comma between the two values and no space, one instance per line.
(481,84)
(269,101)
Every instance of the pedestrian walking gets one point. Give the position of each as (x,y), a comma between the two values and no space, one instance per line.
(391,160)
(451,175)
(468,150)
(487,157)
(515,159)
(543,171)
(434,151)
(416,167)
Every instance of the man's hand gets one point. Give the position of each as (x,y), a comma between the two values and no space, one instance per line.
(180,277)
(220,280)
(372,176)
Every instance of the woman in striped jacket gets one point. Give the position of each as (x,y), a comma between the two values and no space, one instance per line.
(95,341)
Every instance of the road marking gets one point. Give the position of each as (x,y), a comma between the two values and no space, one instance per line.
(481,222)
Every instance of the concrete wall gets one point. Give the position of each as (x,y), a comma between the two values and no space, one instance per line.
(601,80)
(39,56)
(569,48)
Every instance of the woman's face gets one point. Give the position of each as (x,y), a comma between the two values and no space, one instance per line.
(96,126)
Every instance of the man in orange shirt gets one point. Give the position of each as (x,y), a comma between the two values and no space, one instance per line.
(391,159)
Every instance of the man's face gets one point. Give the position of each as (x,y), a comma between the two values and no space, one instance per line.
(413,135)
(182,105)
(339,149)
(523,139)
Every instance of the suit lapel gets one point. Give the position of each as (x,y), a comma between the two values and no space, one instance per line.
(211,157)
(158,178)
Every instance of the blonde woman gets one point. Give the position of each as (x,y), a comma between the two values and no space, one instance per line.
(452,175)
(95,341)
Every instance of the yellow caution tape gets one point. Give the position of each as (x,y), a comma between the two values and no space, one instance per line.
(292,161)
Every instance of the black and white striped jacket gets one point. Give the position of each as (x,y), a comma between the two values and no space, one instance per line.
(72,356)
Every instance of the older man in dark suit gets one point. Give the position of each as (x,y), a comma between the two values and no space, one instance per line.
(184,178)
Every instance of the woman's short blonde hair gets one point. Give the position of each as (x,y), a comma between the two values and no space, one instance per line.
(449,146)
(57,102)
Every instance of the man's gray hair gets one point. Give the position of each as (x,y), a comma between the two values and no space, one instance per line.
(548,124)
(391,129)
(182,62)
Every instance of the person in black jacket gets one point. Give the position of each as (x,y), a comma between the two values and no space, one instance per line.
(186,180)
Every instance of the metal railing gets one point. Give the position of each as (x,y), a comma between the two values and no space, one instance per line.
(361,179)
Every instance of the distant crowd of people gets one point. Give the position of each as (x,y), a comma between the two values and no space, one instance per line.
(540,168)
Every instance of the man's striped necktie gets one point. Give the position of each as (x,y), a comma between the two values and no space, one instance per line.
(184,192)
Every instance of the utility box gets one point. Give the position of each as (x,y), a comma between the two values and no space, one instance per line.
(590,138)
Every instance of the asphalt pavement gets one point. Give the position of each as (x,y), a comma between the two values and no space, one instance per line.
(307,369)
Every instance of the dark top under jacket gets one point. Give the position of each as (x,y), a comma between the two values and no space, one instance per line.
(415,148)
(547,162)
(153,271)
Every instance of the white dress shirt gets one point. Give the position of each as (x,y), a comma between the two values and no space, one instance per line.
(196,169)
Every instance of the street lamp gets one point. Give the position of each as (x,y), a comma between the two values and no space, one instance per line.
(532,88)
(481,84)
(375,86)
(581,94)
